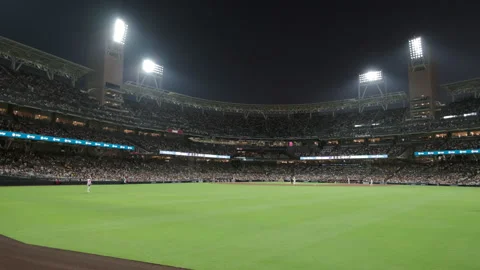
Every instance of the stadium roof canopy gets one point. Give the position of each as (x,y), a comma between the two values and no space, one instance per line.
(332,106)
(471,86)
(20,54)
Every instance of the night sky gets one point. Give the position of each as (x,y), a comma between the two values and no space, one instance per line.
(259,51)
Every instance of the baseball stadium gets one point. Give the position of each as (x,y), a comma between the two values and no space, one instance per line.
(100,172)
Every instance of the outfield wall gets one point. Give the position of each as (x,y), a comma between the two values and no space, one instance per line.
(38,181)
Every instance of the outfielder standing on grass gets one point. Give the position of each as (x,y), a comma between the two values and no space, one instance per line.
(89,184)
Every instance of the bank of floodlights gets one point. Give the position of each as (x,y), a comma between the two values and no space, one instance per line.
(120,31)
(150,74)
(371,81)
(370,77)
(148,66)
(416,48)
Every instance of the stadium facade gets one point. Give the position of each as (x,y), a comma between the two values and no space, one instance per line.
(160,124)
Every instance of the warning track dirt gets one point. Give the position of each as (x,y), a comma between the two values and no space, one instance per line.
(17,255)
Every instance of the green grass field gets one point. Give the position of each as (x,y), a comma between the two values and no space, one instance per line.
(208,226)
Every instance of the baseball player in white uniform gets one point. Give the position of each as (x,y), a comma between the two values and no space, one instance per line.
(89,184)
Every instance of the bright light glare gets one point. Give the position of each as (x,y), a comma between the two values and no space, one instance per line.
(416,48)
(120,31)
(148,66)
(371,76)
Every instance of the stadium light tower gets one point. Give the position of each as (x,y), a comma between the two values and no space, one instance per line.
(421,80)
(371,80)
(106,57)
(371,76)
(120,31)
(150,71)
(416,48)
(416,51)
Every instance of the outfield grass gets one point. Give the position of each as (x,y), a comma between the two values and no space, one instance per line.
(208,226)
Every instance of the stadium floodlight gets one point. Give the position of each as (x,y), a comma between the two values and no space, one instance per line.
(120,31)
(148,73)
(416,48)
(148,66)
(371,80)
(371,76)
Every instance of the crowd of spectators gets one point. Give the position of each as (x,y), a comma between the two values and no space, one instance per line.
(461,107)
(27,125)
(449,144)
(153,142)
(30,88)
(458,173)
(14,162)
(392,150)
(35,90)
(69,167)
